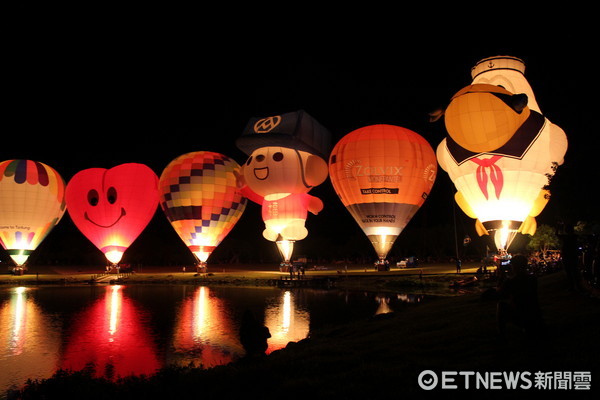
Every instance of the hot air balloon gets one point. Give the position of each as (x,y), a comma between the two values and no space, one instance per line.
(199,196)
(111,207)
(32,202)
(383,175)
(287,158)
(500,151)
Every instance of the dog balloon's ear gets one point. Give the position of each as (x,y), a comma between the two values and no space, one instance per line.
(316,170)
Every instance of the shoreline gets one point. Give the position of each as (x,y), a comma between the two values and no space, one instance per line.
(433,279)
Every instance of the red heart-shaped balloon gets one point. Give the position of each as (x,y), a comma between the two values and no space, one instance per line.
(111,207)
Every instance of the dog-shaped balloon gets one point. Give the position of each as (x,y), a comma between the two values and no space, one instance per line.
(286,160)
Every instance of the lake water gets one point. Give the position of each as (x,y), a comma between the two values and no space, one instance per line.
(137,329)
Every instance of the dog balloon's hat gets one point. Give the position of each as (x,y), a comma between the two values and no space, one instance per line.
(296,130)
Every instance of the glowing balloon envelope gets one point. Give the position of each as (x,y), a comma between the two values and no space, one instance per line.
(111,207)
(501,171)
(32,202)
(199,196)
(279,179)
(287,158)
(382,174)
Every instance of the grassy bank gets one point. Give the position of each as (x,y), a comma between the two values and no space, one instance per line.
(383,356)
(431,279)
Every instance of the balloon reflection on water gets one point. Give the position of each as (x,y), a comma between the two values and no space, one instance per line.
(287,322)
(30,341)
(112,337)
(384,305)
(205,332)
(115,331)
(383,301)
(18,320)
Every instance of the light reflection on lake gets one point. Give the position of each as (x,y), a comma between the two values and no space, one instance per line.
(110,335)
(29,339)
(286,320)
(205,331)
(122,330)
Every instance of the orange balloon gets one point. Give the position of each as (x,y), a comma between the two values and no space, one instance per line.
(382,174)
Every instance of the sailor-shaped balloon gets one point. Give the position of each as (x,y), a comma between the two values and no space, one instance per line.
(500,151)
(287,158)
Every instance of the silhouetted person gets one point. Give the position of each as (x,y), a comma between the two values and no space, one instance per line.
(253,335)
(518,299)
(568,255)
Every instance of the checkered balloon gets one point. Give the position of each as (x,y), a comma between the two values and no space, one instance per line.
(200,198)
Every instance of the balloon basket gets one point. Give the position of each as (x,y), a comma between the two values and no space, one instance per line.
(285,266)
(113,269)
(382,265)
(20,270)
(201,268)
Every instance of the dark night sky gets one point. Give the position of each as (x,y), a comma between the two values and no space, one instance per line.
(99,102)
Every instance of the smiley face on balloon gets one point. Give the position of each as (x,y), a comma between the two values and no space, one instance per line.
(111,207)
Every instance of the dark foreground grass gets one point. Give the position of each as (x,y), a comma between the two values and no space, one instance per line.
(381,358)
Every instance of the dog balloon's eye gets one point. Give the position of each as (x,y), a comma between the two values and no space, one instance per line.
(278,156)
